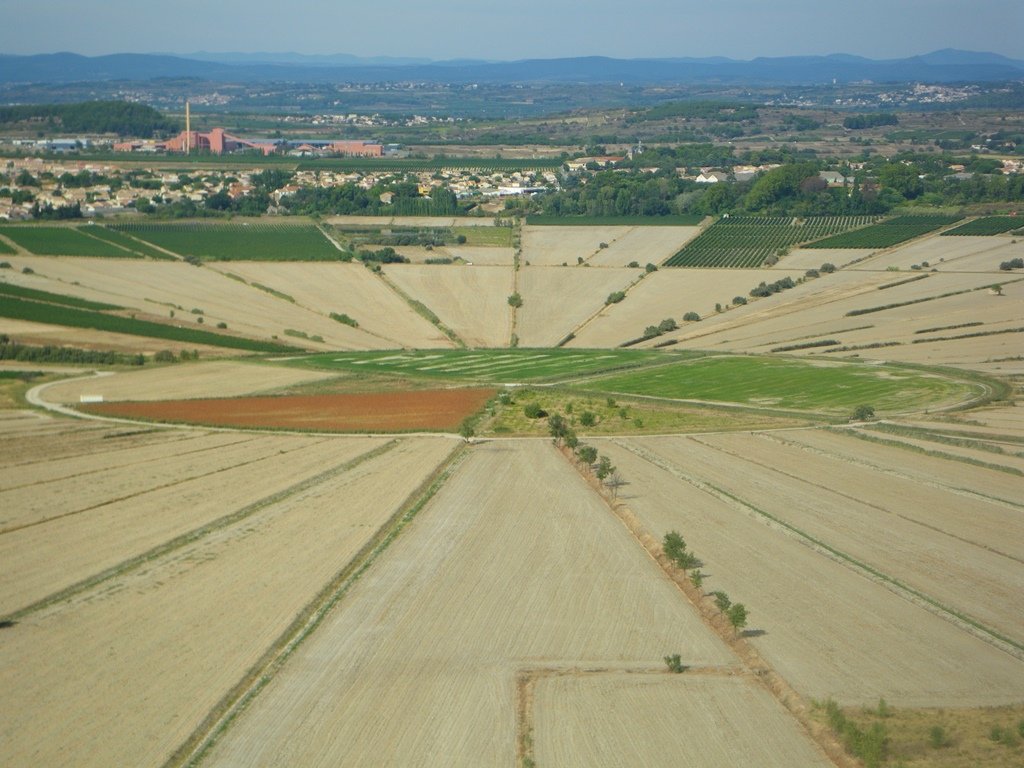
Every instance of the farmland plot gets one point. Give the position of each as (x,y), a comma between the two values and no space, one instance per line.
(643,245)
(556,300)
(472,301)
(668,293)
(827,629)
(418,666)
(551,246)
(159,287)
(672,720)
(204,379)
(42,334)
(967,566)
(78,541)
(190,624)
(949,254)
(350,289)
(813,258)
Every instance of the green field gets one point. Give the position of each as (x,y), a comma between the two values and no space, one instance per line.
(121,239)
(989,225)
(775,383)
(5,248)
(748,241)
(62,241)
(53,298)
(486,365)
(38,312)
(886,233)
(495,237)
(238,241)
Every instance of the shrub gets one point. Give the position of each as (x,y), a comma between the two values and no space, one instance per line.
(675,663)
(615,297)
(633,264)
(828,267)
(739,300)
(533,411)
(515,300)
(691,317)
(222,324)
(862,413)
(812,273)
(650,268)
(937,737)
(588,419)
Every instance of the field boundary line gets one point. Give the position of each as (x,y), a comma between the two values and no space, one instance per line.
(423,311)
(751,660)
(894,585)
(805,481)
(152,489)
(594,316)
(184,539)
(234,703)
(966,492)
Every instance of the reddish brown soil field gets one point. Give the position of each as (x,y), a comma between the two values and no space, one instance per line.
(382,412)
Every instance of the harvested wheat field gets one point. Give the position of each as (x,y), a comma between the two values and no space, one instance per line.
(557,300)
(669,292)
(43,334)
(472,301)
(418,665)
(965,253)
(644,245)
(551,246)
(442,409)
(830,627)
(191,622)
(666,720)
(813,258)
(383,316)
(222,378)
(158,288)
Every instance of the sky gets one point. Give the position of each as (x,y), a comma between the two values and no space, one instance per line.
(519,29)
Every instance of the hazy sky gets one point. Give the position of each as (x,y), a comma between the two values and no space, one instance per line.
(517,29)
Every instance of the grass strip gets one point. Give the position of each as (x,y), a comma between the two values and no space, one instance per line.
(8,289)
(968,335)
(934,454)
(920,433)
(19,309)
(203,739)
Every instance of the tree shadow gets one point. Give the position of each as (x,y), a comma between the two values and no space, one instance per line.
(7,624)
(754,632)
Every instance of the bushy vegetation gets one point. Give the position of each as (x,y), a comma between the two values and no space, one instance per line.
(874,120)
(121,117)
(12,350)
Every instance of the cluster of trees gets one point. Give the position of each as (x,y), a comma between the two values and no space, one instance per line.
(386,255)
(121,117)
(347,199)
(1017,263)
(674,547)
(12,350)
(50,212)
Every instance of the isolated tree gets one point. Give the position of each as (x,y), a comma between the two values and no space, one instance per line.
(722,601)
(697,579)
(737,614)
(557,426)
(515,300)
(673,545)
(604,468)
(674,662)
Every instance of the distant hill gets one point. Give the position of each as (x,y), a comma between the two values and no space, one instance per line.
(938,67)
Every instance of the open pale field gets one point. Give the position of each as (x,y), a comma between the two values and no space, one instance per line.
(184,380)
(349,289)
(472,301)
(965,253)
(669,293)
(157,288)
(557,300)
(643,245)
(671,720)
(813,258)
(410,221)
(550,246)
(193,621)
(825,626)
(491,578)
